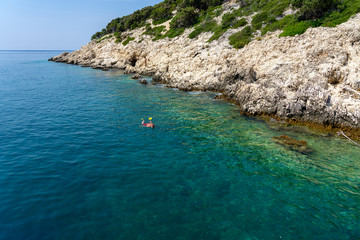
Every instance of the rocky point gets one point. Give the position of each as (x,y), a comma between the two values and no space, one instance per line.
(313,77)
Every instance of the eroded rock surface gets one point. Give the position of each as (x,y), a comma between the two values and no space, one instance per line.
(313,77)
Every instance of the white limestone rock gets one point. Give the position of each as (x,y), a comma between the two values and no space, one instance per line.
(310,77)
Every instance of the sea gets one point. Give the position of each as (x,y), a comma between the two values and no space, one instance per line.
(76,163)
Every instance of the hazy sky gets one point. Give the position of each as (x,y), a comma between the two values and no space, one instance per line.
(58,24)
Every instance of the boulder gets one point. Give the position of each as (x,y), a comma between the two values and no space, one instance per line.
(157,78)
(143,81)
(136,76)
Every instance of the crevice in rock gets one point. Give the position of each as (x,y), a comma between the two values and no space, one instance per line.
(133,59)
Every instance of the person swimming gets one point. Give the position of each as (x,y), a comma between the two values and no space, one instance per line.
(150,124)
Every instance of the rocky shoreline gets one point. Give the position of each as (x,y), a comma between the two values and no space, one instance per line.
(311,78)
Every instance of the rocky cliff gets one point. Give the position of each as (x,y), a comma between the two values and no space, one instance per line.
(313,77)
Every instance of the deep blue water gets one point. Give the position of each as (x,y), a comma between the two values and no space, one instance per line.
(75,164)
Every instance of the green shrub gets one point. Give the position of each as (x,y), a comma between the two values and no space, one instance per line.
(257,26)
(296,3)
(200,4)
(184,18)
(239,12)
(129,39)
(258,19)
(218,32)
(247,11)
(278,24)
(162,13)
(156,31)
(312,9)
(278,8)
(239,23)
(103,38)
(173,32)
(343,13)
(228,20)
(207,26)
(217,11)
(96,35)
(242,38)
(117,35)
(205,21)
(295,28)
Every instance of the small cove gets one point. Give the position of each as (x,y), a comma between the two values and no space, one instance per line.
(75,164)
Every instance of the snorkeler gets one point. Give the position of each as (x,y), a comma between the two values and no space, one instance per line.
(150,124)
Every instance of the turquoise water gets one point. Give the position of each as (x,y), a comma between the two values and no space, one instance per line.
(74,163)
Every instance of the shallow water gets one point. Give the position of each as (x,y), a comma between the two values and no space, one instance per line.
(75,164)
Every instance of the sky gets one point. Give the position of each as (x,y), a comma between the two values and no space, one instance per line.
(58,24)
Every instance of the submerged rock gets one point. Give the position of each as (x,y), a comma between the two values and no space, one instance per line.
(293,144)
(143,81)
(101,68)
(136,76)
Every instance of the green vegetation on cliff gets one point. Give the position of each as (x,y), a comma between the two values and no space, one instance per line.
(127,40)
(240,39)
(252,18)
(186,15)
